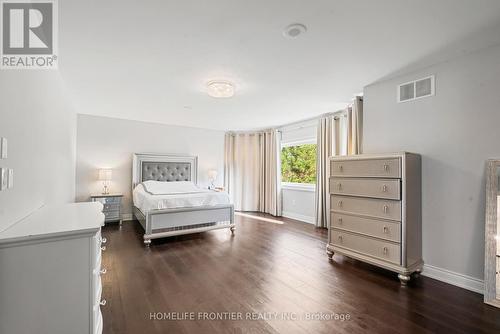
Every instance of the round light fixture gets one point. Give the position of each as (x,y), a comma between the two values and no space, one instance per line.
(294,30)
(220,88)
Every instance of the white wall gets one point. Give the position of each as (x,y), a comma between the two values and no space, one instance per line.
(298,202)
(455,131)
(40,127)
(110,143)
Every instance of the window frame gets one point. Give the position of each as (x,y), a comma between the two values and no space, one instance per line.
(309,187)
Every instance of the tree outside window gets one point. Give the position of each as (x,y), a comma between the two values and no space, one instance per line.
(298,164)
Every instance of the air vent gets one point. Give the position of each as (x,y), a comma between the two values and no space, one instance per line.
(417,89)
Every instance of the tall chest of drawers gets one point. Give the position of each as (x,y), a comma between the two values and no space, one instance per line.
(50,272)
(375,211)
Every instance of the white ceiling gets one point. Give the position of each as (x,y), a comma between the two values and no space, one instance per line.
(150,60)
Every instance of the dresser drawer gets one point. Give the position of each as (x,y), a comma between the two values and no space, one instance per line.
(378,188)
(379,249)
(384,229)
(108,200)
(111,215)
(367,168)
(378,208)
(111,207)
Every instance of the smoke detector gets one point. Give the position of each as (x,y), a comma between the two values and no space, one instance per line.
(294,30)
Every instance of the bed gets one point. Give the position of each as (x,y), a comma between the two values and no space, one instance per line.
(167,201)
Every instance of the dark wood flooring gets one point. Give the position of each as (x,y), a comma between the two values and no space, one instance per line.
(278,274)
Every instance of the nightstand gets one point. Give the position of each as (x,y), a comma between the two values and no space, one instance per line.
(112,206)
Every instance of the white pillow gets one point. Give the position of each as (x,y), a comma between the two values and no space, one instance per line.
(160,187)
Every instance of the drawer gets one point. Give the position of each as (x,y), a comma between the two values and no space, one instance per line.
(378,208)
(366,168)
(378,188)
(108,200)
(384,229)
(379,249)
(111,215)
(111,207)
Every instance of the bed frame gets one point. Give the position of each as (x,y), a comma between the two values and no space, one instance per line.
(170,222)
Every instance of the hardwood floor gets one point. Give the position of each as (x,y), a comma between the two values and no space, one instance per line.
(269,267)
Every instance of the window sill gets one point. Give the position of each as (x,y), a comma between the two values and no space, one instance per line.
(298,186)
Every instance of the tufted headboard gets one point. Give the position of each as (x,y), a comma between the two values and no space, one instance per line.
(167,168)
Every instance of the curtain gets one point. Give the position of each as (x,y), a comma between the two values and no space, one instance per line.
(355,126)
(241,170)
(252,171)
(326,126)
(339,135)
(270,178)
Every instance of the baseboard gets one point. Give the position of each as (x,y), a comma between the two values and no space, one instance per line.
(296,216)
(453,278)
(127,217)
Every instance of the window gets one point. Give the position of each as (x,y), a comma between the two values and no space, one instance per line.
(298,164)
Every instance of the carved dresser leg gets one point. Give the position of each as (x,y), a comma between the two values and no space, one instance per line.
(404,279)
(330,255)
(232,228)
(147,242)
(329,252)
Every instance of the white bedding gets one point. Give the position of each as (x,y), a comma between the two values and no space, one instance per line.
(155,195)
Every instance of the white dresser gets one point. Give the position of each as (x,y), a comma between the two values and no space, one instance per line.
(375,211)
(50,267)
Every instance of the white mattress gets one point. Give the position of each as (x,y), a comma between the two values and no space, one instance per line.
(145,201)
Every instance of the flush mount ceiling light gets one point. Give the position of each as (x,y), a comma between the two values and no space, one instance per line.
(294,30)
(220,88)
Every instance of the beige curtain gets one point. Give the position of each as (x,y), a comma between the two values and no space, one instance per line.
(252,171)
(270,178)
(325,142)
(339,135)
(355,126)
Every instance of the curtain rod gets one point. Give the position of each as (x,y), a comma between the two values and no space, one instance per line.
(333,113)
(281,127)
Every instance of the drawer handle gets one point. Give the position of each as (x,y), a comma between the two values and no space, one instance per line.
(103,240)
(340,220)
(340,204)
(386,250)
(340,238)
(103,271)
(386,208)
(385,229)
(103,302)
(339,186)
(341,168)
(103,248)
(386,167)
(384,188)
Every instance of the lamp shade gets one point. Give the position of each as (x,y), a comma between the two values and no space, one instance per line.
(105,174)
(212,174)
